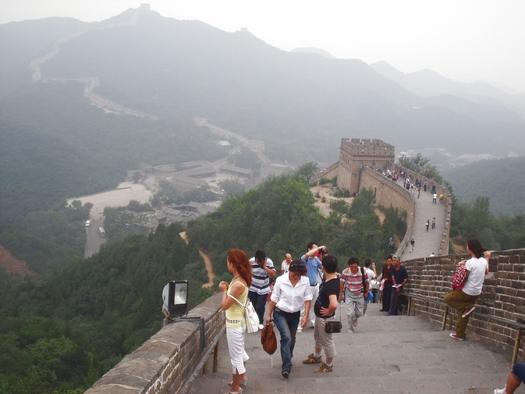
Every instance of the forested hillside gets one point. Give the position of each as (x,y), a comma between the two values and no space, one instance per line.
(55,146)
(501,181)
(279,217)
(63,331)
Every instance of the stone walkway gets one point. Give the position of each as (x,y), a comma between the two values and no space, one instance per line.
(427,242)
(387,354)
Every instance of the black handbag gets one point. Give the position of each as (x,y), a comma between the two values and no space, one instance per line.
(333,326)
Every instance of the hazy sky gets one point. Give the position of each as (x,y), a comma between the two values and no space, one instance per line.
(464,40)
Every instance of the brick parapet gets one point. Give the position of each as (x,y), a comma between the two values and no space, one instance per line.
(388,193)
(165,362)
(503,293)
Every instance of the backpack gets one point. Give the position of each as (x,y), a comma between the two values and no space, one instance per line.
(460,277)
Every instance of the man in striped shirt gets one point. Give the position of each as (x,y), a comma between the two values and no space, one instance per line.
(262,269)
(353,291)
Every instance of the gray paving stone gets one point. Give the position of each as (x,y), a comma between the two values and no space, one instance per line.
(391,355)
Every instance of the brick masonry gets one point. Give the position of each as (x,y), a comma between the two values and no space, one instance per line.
(503,293)
(165,362)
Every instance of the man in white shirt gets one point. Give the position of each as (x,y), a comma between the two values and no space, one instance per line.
(371,274)
(285,265)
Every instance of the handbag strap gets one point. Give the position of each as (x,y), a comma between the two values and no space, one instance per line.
(239,304)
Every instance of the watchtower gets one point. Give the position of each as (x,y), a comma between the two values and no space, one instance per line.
(357,153)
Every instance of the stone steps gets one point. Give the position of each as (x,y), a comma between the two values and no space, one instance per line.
(386,354)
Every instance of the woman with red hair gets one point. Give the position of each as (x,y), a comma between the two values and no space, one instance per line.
(240,267)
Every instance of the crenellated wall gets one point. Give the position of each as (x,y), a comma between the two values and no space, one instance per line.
(503,292)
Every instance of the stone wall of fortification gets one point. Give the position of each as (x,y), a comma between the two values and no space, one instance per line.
(168,360)
(503,293)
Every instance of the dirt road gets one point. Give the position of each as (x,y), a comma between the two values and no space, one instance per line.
(207,263)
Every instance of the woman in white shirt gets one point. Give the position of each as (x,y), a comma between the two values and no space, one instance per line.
(464,300)
(290,293)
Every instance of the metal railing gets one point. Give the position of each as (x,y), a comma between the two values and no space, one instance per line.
(518,324)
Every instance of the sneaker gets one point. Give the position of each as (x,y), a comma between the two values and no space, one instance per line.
(299,329)
(468,312)
(285,374)
(313,360)
(453,335)
(324,368)
(501,391)
(355,323)
(261,326)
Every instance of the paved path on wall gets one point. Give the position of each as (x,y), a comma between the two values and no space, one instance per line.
(387,354)
(427,242)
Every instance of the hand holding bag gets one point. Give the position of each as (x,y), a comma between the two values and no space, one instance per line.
(250,316)
(268,339)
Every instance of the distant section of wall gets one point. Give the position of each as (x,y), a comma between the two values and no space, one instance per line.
(503,293)
(388,193)
(168,360)
(444,246)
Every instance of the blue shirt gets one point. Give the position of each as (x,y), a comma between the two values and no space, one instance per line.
(313,265)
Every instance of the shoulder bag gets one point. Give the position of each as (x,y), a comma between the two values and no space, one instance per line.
(460,277)
(250,316)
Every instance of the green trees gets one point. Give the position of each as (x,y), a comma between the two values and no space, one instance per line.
(422,166)
(280,217)
(475,220)
(62,332)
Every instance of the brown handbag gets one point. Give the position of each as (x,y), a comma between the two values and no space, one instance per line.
(268,339)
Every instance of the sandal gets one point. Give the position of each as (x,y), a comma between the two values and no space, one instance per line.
(241,383)
(234,392)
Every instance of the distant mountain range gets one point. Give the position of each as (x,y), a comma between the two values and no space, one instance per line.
(299,103)
(289,99)
(427,83)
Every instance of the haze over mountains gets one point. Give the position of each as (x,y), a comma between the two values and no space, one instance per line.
(299,103)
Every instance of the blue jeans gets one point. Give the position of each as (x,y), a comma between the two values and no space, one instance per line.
(518,370)
(287,324)
(259,304)
(395,305)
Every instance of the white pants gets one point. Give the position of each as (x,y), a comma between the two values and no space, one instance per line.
(238,356)
(311,314)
